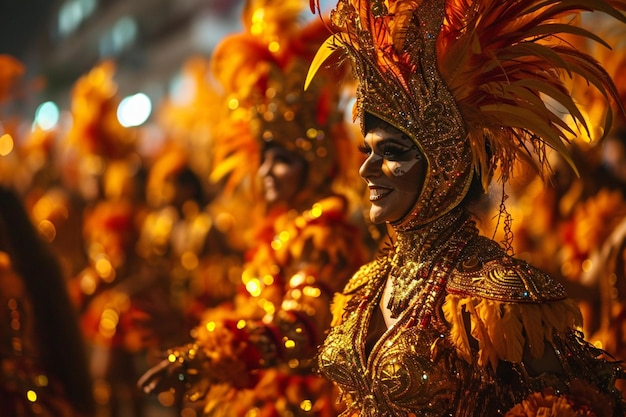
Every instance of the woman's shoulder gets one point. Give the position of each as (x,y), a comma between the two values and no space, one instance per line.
(485,270)
(369,273)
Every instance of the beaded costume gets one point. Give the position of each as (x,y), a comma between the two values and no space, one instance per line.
(477,331)
(465,334)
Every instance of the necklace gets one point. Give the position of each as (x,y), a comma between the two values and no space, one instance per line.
(422,261)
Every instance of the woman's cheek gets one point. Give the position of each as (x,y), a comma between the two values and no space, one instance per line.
(400,168)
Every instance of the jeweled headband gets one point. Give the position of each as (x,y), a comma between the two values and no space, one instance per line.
(476,85)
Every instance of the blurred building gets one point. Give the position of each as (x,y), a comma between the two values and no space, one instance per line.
(60,40)
(148,39)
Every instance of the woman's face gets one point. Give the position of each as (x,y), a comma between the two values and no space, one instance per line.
(394,170)
(282,174)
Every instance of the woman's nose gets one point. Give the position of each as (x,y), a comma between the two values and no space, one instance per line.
(371,166)
(266,167)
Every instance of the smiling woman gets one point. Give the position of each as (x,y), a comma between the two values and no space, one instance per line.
(446,322)
(394,171)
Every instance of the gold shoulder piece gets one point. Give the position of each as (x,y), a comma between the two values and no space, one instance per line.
(504,278)
(369,272)
(366,275)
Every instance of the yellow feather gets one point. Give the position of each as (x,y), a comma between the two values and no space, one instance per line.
(521,118)
(337,308)
(489,313)
(486,352)
(534,328)
(458,333)
(513,330)
(323,53)
(553,28)
(403,13)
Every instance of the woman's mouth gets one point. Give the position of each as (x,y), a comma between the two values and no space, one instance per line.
(377,193)
(269,183)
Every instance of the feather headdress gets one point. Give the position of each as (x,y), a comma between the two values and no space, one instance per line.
(476,84)
(614,62)
(261,71)
(96,129)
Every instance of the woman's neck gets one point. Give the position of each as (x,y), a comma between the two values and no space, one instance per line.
(422,258)
(414,243)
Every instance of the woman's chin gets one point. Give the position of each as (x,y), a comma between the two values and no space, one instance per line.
(271,196)
(377,215)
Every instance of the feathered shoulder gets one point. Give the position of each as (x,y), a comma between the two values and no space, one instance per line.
(510,306)
(371,273)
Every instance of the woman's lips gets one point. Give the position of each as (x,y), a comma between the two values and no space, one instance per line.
(376,192)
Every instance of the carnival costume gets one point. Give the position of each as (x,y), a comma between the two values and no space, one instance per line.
(476,328)
(256,354)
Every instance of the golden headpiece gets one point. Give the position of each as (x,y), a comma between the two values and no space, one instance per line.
(262,72)
(475,84)
(95,128)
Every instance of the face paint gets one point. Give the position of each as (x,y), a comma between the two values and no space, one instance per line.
(400,168)
(394,171)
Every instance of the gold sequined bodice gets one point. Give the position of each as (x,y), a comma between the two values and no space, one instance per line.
(398,375)
(410,367)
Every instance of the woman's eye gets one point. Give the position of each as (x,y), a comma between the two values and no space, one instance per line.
(365,150)
(393,152)
(282,160)
(387,151)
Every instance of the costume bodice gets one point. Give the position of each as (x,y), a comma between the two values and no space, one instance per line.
(409,367)
(443,356)
(398,375)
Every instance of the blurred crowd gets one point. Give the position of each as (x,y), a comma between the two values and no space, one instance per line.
(141,240)
(117,242)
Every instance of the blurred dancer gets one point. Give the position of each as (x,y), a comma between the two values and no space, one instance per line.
(255,355)
(190,231)
(44,368)
(124,308)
